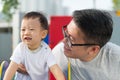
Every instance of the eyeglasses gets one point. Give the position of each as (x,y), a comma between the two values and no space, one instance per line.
(69,43)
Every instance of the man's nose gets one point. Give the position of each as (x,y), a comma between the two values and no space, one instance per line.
(65,40)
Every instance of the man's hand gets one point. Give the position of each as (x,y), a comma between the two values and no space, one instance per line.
(22,69)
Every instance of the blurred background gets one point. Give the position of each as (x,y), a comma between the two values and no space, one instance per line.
(12,11)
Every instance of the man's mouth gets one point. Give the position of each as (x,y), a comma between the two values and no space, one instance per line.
(66,48)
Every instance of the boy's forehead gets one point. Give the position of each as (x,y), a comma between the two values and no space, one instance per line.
(31,18)
(30,22)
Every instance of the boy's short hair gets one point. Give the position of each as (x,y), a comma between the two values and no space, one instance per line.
(42,19)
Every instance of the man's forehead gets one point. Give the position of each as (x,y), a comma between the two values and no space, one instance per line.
(74,30)
(72,26)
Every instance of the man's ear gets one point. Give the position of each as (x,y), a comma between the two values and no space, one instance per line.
(94,49)
(44,33)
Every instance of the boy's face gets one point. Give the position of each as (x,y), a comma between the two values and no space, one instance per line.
(32,33)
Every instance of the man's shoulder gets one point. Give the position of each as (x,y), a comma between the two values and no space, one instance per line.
(112,46)
(59,45)
(112,50)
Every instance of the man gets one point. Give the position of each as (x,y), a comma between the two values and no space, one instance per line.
(86,46)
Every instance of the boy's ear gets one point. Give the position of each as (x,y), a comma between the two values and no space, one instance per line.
(44,33)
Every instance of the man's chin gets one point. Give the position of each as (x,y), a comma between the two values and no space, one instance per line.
(67,54)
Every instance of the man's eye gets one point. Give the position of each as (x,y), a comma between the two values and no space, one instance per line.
(71,39)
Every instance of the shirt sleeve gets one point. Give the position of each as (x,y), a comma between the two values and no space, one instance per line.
(17,56)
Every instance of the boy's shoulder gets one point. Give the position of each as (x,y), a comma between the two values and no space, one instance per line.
(45,45)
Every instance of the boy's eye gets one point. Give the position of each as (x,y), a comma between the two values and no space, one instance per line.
(22,29)
(31,29)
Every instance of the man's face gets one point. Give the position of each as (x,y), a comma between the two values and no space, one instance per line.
(74,36)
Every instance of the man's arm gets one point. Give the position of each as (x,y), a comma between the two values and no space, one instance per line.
(22,69)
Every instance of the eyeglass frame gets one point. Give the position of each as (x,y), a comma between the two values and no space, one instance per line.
(68,39)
